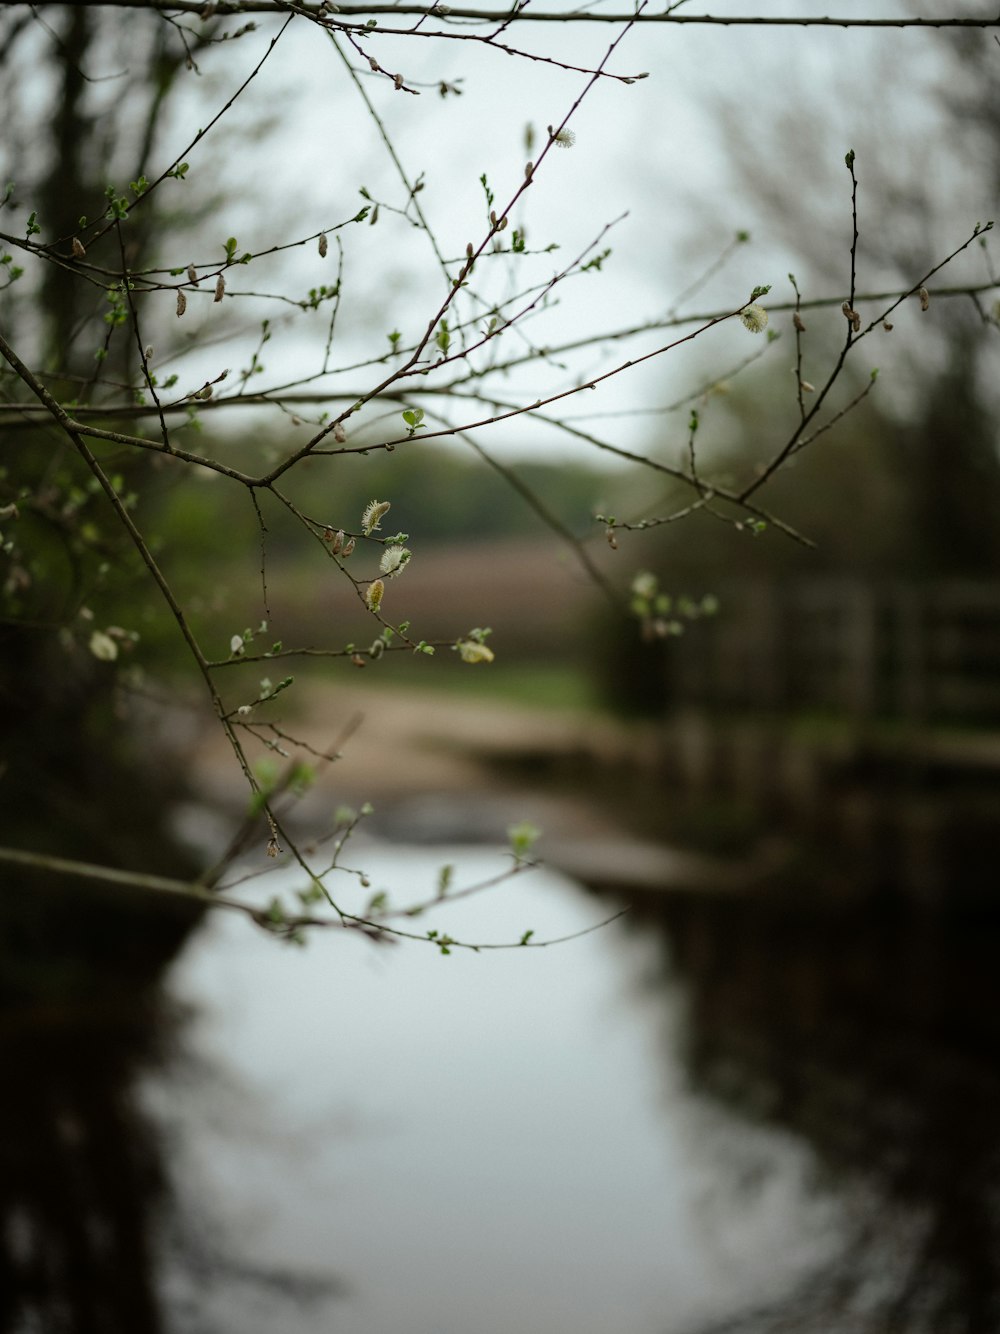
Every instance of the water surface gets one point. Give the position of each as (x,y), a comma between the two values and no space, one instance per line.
(403,1141)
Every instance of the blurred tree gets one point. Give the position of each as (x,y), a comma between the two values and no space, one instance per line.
(76,777)
(925,444)
(945,465)
(907,487)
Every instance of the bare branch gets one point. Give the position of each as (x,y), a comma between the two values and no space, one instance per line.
(524,14)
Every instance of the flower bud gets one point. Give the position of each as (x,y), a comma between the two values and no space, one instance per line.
(78,248)
(220,288)
(374,594)
(181,303)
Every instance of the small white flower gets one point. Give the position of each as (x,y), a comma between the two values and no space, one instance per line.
(471,651)
(103,646)
(394,559)
(374,511)
(564,139)
(236,644)
(644,584)
(754,318)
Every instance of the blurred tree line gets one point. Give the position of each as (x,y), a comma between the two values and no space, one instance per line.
(907,487)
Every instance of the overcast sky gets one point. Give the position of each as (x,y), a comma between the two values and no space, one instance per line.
(668,160)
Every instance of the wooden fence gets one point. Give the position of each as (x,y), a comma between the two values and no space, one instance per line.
(918,652)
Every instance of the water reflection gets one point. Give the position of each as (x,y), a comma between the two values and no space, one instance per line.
(90,1223)
(83,1179)
(482,1142)
(875,1039)
(724,1116)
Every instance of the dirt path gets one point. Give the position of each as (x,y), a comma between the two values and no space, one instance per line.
(398,745)
(428,763)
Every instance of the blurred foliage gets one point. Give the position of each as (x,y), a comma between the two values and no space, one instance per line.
(452,496)
(880,496)
(885,496)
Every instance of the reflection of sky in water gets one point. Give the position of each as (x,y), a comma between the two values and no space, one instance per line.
(478,1142)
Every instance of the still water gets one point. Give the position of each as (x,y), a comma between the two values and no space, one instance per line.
(712,1115)
(482,1142)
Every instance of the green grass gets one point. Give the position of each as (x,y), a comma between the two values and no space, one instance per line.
(542,685)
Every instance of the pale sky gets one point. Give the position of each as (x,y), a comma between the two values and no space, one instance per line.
(667,160)
(663,151)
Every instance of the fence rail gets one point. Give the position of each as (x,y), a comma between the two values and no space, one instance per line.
(919,652)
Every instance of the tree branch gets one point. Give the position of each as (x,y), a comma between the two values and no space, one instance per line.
(525,14)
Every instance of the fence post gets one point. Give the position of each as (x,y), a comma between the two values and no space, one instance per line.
(863,651)
(911,654)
